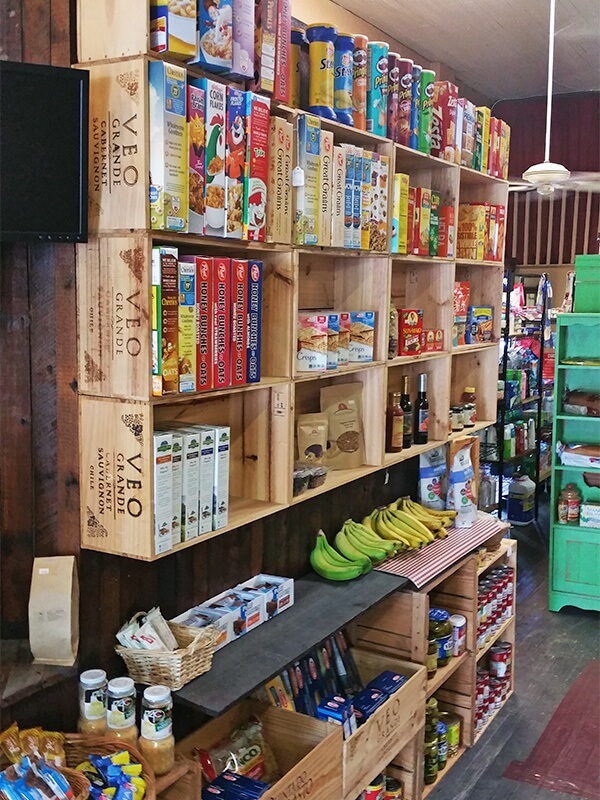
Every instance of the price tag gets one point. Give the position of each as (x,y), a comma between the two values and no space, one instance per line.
(297,176)
(279,404)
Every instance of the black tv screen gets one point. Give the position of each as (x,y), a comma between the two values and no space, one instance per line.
(43,152)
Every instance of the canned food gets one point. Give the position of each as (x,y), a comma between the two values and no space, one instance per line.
(453,725)
(359,82)
(393,789)
(427,79)
(342,78)
(374,790)
(459,634)
(415,107)
(393,96)
(377,87)
(321,58)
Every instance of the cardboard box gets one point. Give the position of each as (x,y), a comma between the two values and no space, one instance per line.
(190,483)
(410,328)
(245,607)
(403,219)
(365,203)
(206,473)
(362,336)
(357,196)
(447,233)
(177,478)
(235,162)
(375,206)
(471,231)
(434,224)
(243,40)
(344,339)
(443,123)
(333,337)
(589,515)
(379,237)
(204,319)
(458,333)
(221,323)
(495,143)
(458,131)
(480,320)
(432,340)
(504,149)
(288,206)
(410,219)
(500,232)
(349,196)
(220,506)
(281,89)
(468,133)
(307,212)
(169,318)
(339,187)
(156,324)
(257,167)
(186,343)
(196,112)
(268,45)
(484,116)
(491,233)
(424,220)
(163,491)
(201,616)
(255,292)
(279,189)
(169,181)
(215,108)
(326,185)
(460,300)
(239,321)
(417,220)
(277,594)
(173,32)
(478,151)
(215,36)
(311,351)
(439,340)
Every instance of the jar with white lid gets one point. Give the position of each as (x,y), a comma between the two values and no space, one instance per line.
(120,717)
(92,702)
(157,743)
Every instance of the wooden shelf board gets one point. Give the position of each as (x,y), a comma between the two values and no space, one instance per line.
(332,373)
(351,135)
(414,159)
(412,259)
(471,262)
(443,673)
(501,630)
(479,426)
(171,399)
(491,719)
(20,678)
(336,251)
(472,348)
(473,176)
(180,769)
(416,449)
(400,360)
(496,555)
(195,240)
(451,762)
(335,478)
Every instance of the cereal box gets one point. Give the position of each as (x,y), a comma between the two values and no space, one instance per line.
(424,220)
(404,214)
(214,158)
(288,154)
(504,149)
(365,205)
(239,321)
(311,352)
(243,39)
(339,181)
(190,483)
(500,232)
(215,35)
(169,182)
(265,41)
(220,505)
(173,28)
(443,123)
(221,323)
(177,478)
(204,319)
(186,344)
(471,231)
(417,220)
(195,122)
(235,161)
(461,297)
(379,202)
(279,188)
(478,151)
(410,328)
(257,167)
(281,90)
(484,116)
(156,324)
(308,197)
(491,233)
(446,233)
(326,183)
(169,318)
(163,491)
(333,336)
(493,149)
(410,219)
(255,279)
(205,479)
(344,339)
(357,197)
(396,189)
(349,196)
(362,336)
(457,143)
(480,322)
(434,224)
(468,133)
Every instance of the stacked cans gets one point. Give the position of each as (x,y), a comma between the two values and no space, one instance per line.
(383,788)
(493,684)
(495,602)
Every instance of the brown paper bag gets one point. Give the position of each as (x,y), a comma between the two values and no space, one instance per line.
(54,611)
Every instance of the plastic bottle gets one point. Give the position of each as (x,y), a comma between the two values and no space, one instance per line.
(521,500)
(569,502)
(92,702)
(157,743)
(120,718)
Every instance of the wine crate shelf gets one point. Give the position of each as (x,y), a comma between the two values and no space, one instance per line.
(450,763)
(496,637)
(443,673)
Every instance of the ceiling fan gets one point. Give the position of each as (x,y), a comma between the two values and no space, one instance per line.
(544,178)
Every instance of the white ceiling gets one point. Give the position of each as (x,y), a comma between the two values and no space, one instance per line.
(498,47)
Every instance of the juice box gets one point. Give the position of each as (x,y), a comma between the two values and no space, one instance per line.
(156,324)
(357,197)
(204,319)
(255,288)
(195,122)
(186,343)
(279,189)
(169,182)
(410,219)
(307,197)
(206,471)
(215,36)
(214,157)
(239,321)
(484,116)
(169,318)
(339,188)
(446,233)
(349,195)
(480,321)
(500,232)
(173,28)
(220,505)
(177,479)
(190,483)
(379,235)
(468,133)
(257,166)
(344,339)
(311,349)
(434,224)
(443,123)
(365,203)
(362,336)
(471,231)
(410,328)
(504,149)
(281,90)
(424,220)
(163,491)
(235,161)
(221,323)
(326,185)
(243,39)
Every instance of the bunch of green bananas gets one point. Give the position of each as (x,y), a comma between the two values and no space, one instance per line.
(329,564)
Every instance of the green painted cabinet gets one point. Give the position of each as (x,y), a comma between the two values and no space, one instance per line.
(575,550)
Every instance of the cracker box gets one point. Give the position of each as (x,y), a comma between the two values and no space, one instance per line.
(169,182)
(201,616)
(410,219)
(424,222)
(195,123)
(186,343)
(311,351)
(205,479)
(326,184)
(163,491)
(471,231)
(307,212)
(339,188)
(204,319)
(468,132)
(362,336)
(357,197)
(281,89)
(480,321)
(500,232)
(221,323)
(446,233)
(277,593)
(365,206)
(214,157)
(428,340)
(434,224)
(348,196)
(177,478)
(257,167)
(222,435)
(243,40)
(504,149)
(491,233)
(458,129)
(215,36)
(279,188)
(169,318)
(460,300)
(590,515)
(379,236)
(239,321)
(255,291)
(344,339)
(410,328)
(190,483)
(443,122)
(235,161)
(173,28)
(483,117)
(157,380)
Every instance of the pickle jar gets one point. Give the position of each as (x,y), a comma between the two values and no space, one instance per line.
(442,745)
(440,629)
(157,743)
(432,652)
(120,717)
(92,702)
(431,719)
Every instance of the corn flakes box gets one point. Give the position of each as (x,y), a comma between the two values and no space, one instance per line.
(215,36)
(214,157)
(173,28)
(235,161)
(195,123)
(401,189)
(257,167)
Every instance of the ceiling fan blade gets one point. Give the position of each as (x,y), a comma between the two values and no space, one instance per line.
(521,188)
(594,177)
(583,186)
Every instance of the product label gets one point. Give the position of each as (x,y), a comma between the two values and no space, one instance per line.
(94,703)
(321,55)
(444,644)
(423,419)
(157,723)
(408,423)
(121,712)
(397,431)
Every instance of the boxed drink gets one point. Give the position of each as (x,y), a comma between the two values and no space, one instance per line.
(434,224)
(243,39)
(239,321)
(424,221)
(173,28)
(163,491)
(380,200)
(349,196)
(215,35)
(480,321)
(177,478)
(279,214)
(446,233)
(205,478)
(195,118)
(365,206)
(157,380)
(362,336)
(214,157)
(235,161)
(277,593)
(169,317)
(283,54)
(169,182)
(255,279)
(326,184)
(339,188)
(443,123)
(186,343)
(307,197)
(220,506)
(471,231)
(344,339)
(357,196)
(468,135)
(311,351)
(410,328)
(204,319)
(190,483)
(221,323)
(257,167)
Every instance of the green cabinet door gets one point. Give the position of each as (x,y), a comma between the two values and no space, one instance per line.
(576,560)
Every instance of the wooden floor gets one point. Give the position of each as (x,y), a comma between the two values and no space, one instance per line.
(552,649)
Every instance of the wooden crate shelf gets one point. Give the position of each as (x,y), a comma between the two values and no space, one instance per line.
(450,763)
(475,368)
(480,733)
(443,673)
(438,381)
(481,652)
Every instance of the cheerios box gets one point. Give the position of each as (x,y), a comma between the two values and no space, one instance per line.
(173,28)
(169,182)
(277,594)
(214,157)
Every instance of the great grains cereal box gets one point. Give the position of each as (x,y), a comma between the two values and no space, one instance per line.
(339,180)
(239,321)
(235,161)
(163,491)
(204,319)
(255,290)
(215,35)
(257,166)
(169,183)
(214,158)
(443,122)
(195,124)
(326,183)
(186,346)
(471,231)
(307,214)
(173,28)
(243,39)
(365,205)
(221,323)
(279,189)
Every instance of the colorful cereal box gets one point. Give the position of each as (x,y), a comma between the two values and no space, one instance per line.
(460,300)
(410,220)
(257,166)
(365,209)
(281,90)
(163,491)
(446,234)
(443,122)
(399,242)
(359,82)
(204,322)
(377,87)
(344,339)
(235,161)
(307,197)
(500,232)
(349,196)
(434,224)
(173,28)
(156,324)
(169,183)
(186,344)
(480,321)
(239,321)
(410,328)
(326,179)
(490,241)
(415,106)
(405,67)
(221,323)
(478,151)
(458,132)
(471,231)
(484,116)
(468,132)
(497,147)
(288,206)
(214,158)
(215,35)
(243,39)
(427,80)
(339,179)
(494,147)
(362,336)
(195,125)
(424,220)
(374,206)
(311,350)
(504,149)
(177,479)
(379,241)
(357,197)
(393,96)
(279,215)
(255,291)
(169,318)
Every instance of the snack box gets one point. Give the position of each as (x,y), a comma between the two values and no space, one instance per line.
(221,321)
(258,109)
(365,204)
(169,180)
(220,492)
(215,109)
(204,319)
(276,593)
(458,333)
(333,337)
(307,195)
(279,197)
(238,787)
(265,43)
(424,221)
(196,123)
(326,186)
(243,40)
(362,336)
(215,36)
(357,194)
(344,339)
(163,491)
(177,479)
(255,293)
(446,232)
(471,231)
(311,351)
(410,328)
(462,294)
(186,343)
(246,610)
(235,162)
(379,236)
(434,224)
(468,132)
(483,118)
(480,320)
(504,148)
(338,711)
(500,232)
(167,267)
(208,447)
(173,28)
(443,122)
(366,704)
(201,616)
(589,515)
(410,219)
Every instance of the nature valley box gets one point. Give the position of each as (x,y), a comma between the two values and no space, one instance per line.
(326,184)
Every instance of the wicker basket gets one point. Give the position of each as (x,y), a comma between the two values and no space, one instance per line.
(78,782)
(178,667)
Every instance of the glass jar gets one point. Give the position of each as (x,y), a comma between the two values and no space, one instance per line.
(394,428)
(92,702)
(120,717)
(457,418)
(431,719)
(431,762)
(442,745)
(469,415)
(157,743)
(468,396)
(432,652)
(440,629)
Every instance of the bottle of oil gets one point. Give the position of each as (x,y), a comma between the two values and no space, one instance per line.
(422,411)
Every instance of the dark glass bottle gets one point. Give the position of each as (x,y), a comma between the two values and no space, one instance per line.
(394,430)
(407,408)
(421,411)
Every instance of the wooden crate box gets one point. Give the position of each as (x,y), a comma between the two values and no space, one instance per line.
(477,368)
(428,287)
(407,767)
(437,370)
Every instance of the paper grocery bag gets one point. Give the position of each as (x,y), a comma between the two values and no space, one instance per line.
(54,611)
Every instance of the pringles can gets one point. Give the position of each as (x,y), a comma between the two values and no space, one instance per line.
(342,78)
(415,107)
(377,87)
(426,92)
(297,42)
(393,96)
(405,66)
(359,82)
(321,56)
